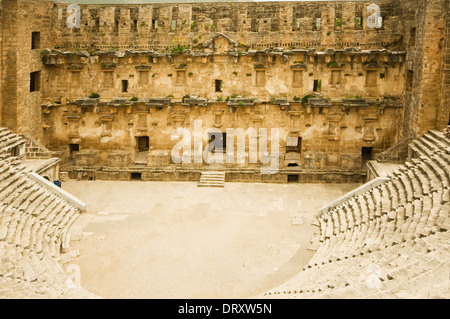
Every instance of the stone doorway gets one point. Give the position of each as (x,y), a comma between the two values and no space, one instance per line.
(219,142)
(143,146)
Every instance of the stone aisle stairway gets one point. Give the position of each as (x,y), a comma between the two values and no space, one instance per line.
(212,179)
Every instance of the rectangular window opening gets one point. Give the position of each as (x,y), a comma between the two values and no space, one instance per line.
(143,143)
(218,85)
(124,86)
(317,86)
(35,81)
(35,40)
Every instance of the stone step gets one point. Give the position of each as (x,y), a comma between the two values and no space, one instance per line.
(210,185)
(439,136)
(436,141)
(212,179)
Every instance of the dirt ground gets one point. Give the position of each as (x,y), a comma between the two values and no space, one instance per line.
(176,240)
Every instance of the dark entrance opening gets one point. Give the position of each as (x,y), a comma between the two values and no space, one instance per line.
(292,178)
(124,85)
(219,142)
(136,176)
(34,81)
(317,86)
(143,143)
(218,84)
(73,148)
(366,155)
(35,40)
(292,165)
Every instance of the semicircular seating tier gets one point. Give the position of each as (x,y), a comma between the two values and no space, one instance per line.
(392,241)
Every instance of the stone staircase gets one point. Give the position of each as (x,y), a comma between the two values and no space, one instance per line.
(212,179)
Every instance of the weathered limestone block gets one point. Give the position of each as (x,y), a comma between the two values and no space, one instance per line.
(350,161)
(119,158)
(86,158)
(315,161)
(158,158)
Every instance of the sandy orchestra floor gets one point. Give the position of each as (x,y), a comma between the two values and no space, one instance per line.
(176,240)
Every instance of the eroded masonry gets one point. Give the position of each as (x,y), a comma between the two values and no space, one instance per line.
(106,97)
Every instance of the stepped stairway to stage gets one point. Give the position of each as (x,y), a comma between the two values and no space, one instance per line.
(212,179)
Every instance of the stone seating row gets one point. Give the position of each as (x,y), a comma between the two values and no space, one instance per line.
(419,198)
(33,224)
(414,269)
(395,219)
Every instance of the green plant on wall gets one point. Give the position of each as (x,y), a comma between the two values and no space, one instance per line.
(306,97)
(94,96)
(134,99)
(332,64)
(179,49)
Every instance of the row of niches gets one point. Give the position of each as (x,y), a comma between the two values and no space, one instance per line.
(245,17)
